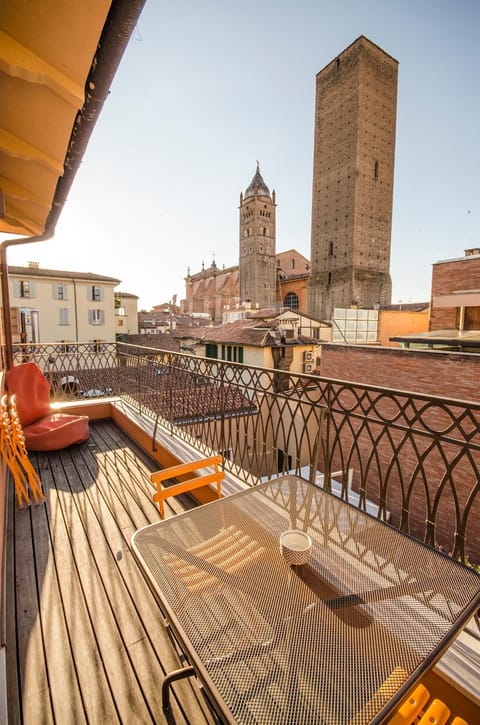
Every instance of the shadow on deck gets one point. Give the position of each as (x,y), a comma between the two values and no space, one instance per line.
(85,637)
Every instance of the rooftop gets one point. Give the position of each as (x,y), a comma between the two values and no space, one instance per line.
(458,339)
(34,271)
(257,186)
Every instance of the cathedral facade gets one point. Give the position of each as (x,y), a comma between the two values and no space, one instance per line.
(263,279)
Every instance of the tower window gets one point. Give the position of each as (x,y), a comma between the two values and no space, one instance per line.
(330,248)
(329,281)
(291,301)
(375,171)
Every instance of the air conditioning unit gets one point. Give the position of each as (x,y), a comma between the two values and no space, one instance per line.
(308,367)
(308,356)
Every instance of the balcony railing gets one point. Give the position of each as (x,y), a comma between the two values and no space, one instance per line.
(413,459)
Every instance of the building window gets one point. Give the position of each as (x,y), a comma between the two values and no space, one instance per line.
(291,301)
(329,280)
(471,319)
(63,316)
(231,353)
(96,317)
(23,288)
(211,350)
(292,263)
(95,293)
(284,461)
(330,248)
(375,171)
(60,291)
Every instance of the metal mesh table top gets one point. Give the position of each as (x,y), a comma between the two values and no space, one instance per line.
(337,639)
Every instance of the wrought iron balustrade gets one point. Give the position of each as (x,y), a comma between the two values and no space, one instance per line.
(415,458)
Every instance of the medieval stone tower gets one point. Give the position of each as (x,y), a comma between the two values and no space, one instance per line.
(257,244)
(355,118)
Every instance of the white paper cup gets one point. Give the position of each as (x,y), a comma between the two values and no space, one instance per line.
(295,546)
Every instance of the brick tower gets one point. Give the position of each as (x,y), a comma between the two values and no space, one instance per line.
(355,118)
(257,244)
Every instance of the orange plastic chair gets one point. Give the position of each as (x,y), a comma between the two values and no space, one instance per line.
(412,707)
(196,482)
(437,713)
(43,429)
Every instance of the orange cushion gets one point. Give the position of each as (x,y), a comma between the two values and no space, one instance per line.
(55,432)
(31,390)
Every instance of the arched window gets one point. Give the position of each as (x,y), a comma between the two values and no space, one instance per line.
(291,301)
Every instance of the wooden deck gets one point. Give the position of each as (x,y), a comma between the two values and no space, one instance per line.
(85,638)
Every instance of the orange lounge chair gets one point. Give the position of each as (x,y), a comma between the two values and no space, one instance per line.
(43,430)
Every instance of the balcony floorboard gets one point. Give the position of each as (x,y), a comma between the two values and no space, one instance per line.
(85,637)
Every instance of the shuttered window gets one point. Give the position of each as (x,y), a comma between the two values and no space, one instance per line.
(60,291)
(95,293)
(96,317)
(23,288)
(63,316)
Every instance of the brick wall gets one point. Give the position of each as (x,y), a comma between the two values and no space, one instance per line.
(448,277)
(429,462)
(450,375)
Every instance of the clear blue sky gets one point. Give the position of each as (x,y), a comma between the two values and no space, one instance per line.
(206,88)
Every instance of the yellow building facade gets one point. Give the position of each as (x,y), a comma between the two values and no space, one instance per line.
(60,306)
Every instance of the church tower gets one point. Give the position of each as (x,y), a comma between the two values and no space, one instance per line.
(257,265)
(355,118)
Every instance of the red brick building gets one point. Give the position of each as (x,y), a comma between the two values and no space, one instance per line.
(455,306)
(433,372)
(456,293)
(214,290)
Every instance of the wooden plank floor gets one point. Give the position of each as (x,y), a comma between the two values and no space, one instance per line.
(85,637)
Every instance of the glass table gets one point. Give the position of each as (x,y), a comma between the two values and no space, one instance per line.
(332,624)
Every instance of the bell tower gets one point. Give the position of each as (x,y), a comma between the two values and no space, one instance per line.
(257,245)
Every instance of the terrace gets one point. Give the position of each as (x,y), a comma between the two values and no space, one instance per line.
(84,636)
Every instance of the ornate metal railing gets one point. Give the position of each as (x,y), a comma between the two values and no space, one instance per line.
(74,370)
(410,458)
